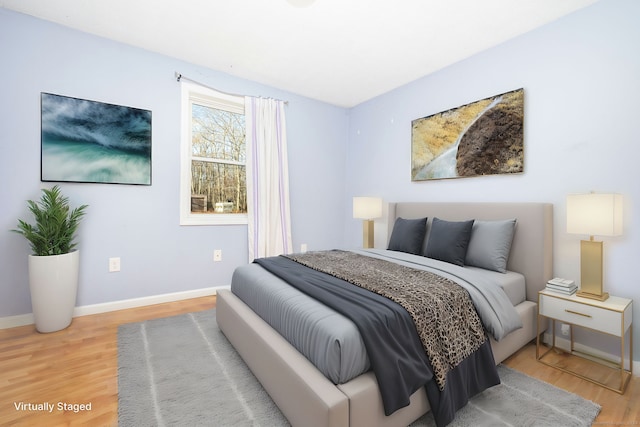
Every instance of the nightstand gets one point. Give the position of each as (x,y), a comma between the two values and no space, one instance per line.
(612,317)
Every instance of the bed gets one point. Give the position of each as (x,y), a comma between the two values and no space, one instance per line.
(305,394)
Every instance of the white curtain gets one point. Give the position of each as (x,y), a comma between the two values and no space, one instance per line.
(269,218)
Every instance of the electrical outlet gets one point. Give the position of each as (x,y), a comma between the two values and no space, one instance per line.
(565,329)
(303,248)
(217,255)
(114,264)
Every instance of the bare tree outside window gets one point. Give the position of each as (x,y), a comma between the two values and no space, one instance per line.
(218,158)
(213,157)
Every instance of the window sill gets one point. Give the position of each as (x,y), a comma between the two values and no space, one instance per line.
(214,219)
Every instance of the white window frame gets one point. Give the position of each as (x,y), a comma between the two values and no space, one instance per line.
(193,93)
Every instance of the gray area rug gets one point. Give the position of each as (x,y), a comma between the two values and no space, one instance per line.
(182,371)
(520,400)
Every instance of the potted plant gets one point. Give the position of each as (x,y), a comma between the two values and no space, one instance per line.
(54,264)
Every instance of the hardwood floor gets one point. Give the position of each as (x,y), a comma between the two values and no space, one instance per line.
(617,409)
(79,366)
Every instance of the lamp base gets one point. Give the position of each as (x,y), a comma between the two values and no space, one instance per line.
(367,233)
(602,297)
(591,271)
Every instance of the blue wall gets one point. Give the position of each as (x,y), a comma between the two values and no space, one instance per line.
(140,223)
(581,79)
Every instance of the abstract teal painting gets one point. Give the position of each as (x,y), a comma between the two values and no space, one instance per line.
(94,142)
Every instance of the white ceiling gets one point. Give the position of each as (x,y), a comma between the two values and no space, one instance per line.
(342,52)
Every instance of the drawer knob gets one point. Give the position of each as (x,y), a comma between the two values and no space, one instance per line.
(575,312)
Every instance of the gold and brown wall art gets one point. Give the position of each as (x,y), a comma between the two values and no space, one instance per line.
(481,138)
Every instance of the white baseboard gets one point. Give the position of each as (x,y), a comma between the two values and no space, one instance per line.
(565,344)
(27,319)
(14,321)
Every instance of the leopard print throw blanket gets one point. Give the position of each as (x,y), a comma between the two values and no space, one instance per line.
(445,318)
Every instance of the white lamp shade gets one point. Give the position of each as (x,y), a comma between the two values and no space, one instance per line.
(594,214)
(367,207)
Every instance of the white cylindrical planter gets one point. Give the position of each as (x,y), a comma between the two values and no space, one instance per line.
(53,281)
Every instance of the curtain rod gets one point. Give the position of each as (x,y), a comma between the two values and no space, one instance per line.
(180,76)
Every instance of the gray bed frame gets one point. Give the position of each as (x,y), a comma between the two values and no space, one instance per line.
(307,398)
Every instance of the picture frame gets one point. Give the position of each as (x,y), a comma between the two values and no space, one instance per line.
(94,142)
(485,137)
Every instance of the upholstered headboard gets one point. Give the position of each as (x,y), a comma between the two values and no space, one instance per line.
(531,250)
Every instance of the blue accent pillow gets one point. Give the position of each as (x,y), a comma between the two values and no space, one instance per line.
(408,235)
(490,244)
(449,240)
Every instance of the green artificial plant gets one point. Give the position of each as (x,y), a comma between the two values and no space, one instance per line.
(56,224)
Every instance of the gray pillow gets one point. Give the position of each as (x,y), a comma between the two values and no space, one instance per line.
(490,244)
(408,235)
(448,240)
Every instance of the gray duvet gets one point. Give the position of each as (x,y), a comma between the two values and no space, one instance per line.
(332,342)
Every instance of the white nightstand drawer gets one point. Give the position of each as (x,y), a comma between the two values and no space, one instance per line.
(612,316)
(588,316)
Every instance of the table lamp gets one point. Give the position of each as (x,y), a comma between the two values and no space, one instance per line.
(367,209)
(593,214)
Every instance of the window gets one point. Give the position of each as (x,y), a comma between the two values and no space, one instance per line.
(213,174)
